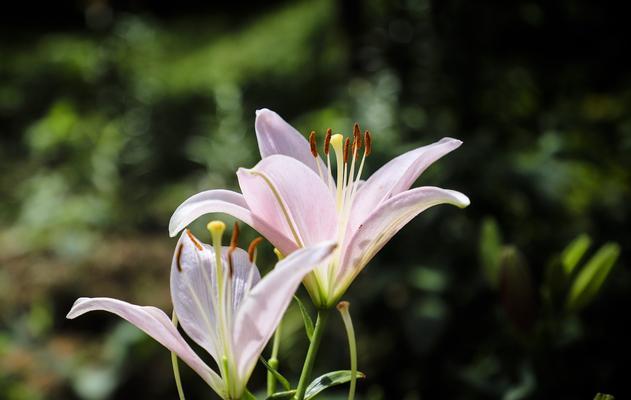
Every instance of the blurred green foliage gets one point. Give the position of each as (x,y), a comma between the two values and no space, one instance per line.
(111,114)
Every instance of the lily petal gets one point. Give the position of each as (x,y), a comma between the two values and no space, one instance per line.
(155,323)
(209,201)
(284,193)
(384,222)
(262,310)
(276,136)
(396,176)
(231,203)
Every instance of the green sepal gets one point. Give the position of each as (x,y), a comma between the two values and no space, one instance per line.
(283,381)
(329,379)
(306,318)
(592,276)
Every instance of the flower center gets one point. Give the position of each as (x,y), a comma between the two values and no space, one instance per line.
(346,184)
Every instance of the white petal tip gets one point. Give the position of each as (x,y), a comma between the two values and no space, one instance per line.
(462,200)
(452,141)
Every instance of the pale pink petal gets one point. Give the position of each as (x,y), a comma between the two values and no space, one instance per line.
(155,323)
(263,308)
(228,202)
(276,136)
(386,221)
(396,176)
(210,201)
(194,288)
(286,194)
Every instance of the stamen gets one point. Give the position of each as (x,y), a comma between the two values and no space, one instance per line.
(312,144)
(314,152)
(278,254)
(252,249)
(327,141)
(235,236)
(230,268)
(178,255)
(347,144)
(195,242)
(357,135)
(368,142)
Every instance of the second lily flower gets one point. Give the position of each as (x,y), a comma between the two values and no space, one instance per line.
(291,198)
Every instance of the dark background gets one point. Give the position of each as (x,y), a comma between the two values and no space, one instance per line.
(113,112)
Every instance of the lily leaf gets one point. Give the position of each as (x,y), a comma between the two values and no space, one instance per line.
(592,276)
(282,395)
(490,249)
(306,318)
(283,381)
(574,252)
(329,379)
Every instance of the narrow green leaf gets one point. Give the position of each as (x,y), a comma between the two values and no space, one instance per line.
(329,379)
(490,249)
(592,276)
(574,251)
(283,381)
(306,318)
(282,395)
(247,395)
(601,396)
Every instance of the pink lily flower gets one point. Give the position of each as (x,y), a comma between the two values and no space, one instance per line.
(291,198)
(222,304)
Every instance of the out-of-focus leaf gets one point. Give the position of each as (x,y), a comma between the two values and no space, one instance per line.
(574,251)
(516,288)
(592,276)
(601,396)
(306,318)
(327,380)
(490,249)
(283,381)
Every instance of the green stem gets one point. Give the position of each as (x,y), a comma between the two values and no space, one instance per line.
(343,307)
(273,361)
(318,330)
(176,368)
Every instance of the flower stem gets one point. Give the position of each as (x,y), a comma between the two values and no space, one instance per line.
(343,307)
(273,361)
(318,331)
(176,368)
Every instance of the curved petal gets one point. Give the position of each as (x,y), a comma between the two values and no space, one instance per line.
(286,194)
(209,201)
(276,136)
(384,222)
(231,203)
(155,323)
(396,176)
(263,308)
(194,288)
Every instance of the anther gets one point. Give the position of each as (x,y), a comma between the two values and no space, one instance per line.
(356,131)
(178,255)
(195,242)
(312,143)
(234,241)
(252,248)
(347,145)
(327,141)
(368,143)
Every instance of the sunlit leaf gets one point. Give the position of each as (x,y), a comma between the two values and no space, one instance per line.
(306,318)
(574,252)
(592,276)
(327,380)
